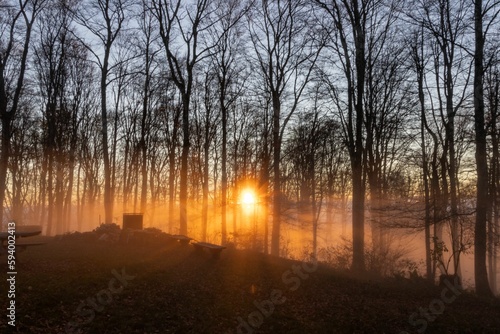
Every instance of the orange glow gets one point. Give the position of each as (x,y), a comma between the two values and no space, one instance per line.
(248,197)
(248,201)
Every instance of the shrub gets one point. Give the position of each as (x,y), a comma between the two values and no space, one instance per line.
(111,228)
(387,261)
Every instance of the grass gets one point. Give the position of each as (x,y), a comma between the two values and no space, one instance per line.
(175,290)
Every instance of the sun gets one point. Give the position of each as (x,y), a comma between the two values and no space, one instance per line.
(248,197)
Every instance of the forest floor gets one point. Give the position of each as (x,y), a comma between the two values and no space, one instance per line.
(77,285)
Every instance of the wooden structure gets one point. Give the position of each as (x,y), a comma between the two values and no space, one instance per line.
(215,250)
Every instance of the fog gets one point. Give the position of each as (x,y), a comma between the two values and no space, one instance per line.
(404,246)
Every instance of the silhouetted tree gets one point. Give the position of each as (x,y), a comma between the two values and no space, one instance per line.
(104,19)
(17,23)
(286,50)
(348,28)
(183,28)
(227,62)
(480,272)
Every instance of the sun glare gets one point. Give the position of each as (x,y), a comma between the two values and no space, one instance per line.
(248,197)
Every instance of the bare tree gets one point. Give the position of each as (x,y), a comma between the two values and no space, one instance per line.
(205,130)
(311,154)
(349,20)
(286,52)
(89,156)
(149,37)
(448,35)
(104,19)
(444,22)
(23,152)
(229,37)
(386,113)
(183,28)
(480,241)
(81,99)
(53,52)
(419,62)
(16,29)
(492,97)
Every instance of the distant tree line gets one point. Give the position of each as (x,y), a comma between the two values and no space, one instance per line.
(384,109)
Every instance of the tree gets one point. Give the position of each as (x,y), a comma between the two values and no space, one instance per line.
(13,66)
(149,37)
(386,113)
(228,36)
(286,51)
(205,130)
(310,151)
(183,28)
(349,20)
(492,97)
(104,19)
(445,23)
(54,51)
(480,272)
(417,56)
(25,141)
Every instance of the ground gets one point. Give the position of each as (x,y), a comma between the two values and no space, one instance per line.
(81,285)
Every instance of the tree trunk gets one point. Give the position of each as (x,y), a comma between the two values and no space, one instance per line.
(427,200)
(494,204)
(480,272)
(144,163)
(5,153)
(419,68)
(171,185)
(184,164)
(358,217)
(206,148)
(275,236)
(224,174)
(59,193)
(264,186)
(358,186)
(108,201)
(144,131)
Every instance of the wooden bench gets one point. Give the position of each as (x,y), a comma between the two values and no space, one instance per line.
(182,239)
(214,249)
(20,232)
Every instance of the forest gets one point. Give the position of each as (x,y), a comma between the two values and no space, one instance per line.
(342,123)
